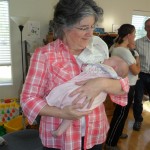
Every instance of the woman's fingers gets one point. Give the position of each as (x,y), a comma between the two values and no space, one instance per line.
(87,92)
(90,103)
(74,113)
(86,101)
(78,90)
(79,99)
(75,92)
(81,82)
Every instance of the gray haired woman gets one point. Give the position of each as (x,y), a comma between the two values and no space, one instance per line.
(60,61)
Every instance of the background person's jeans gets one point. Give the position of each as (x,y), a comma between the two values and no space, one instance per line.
(142,83)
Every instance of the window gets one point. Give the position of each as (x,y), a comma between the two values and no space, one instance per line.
(138,20)
(5,51)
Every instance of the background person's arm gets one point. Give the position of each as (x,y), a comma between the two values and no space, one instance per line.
(135,68)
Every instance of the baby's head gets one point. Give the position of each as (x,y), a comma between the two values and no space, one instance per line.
(118,64)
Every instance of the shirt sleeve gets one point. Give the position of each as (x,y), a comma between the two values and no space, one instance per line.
(136,53)
(102,47)
(122,99)
(32,96)
(125,54)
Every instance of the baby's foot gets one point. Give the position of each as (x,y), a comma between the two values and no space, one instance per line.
(55,133)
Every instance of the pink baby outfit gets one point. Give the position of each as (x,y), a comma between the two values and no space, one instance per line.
(59,96)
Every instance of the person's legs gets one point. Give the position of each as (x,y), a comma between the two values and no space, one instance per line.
(95,147)
(127,107)
(114,133)
(147,84)
(118,121)
(137,105)
(115,130)
(116,126)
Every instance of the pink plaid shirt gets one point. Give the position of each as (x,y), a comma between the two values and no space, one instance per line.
(50,66)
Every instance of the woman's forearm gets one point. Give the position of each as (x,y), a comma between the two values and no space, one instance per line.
(50,111)
(111,86)
(68,112)
(91,88)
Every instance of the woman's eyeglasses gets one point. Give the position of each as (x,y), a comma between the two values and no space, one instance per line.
(86,29)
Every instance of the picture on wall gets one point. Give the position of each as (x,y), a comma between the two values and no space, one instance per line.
(33,29)
(99,30)
(115,28)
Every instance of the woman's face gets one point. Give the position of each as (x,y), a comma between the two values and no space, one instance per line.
(131,37)
(78,36)
(147,27)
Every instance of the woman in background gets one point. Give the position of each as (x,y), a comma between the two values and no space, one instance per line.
(121,48)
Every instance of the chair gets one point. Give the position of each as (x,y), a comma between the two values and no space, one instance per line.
(27,139)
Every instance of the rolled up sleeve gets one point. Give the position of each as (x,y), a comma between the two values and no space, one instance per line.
(32,97)
(122,99)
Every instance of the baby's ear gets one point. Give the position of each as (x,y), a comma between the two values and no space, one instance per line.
(114,67)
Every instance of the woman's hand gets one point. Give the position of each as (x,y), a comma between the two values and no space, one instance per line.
(88,89)
(91,88)
(71,112)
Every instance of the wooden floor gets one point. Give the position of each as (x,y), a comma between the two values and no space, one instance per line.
(137,140)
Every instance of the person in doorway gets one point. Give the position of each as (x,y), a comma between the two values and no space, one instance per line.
(121,48)
(143,48)
(56,63)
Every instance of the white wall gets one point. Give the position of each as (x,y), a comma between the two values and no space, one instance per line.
(119,11)
(115,12)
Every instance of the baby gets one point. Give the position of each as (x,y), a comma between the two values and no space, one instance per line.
(113,67)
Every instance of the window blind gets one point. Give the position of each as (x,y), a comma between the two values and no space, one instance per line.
(5,53)
(138,20)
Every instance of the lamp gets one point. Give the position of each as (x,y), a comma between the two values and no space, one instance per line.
(20,21)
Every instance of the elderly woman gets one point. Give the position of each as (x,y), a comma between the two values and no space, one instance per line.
(58,62)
